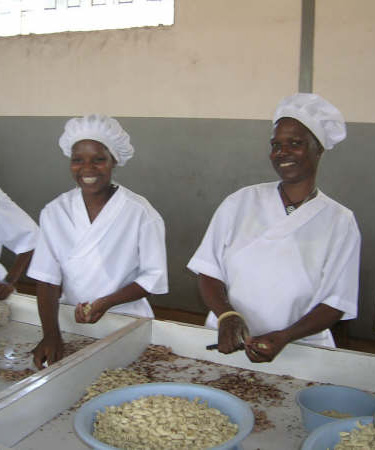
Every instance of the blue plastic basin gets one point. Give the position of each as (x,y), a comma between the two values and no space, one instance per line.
(313,400)
(238,411)
(328,435)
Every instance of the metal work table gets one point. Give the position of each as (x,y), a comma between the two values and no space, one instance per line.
(35,413)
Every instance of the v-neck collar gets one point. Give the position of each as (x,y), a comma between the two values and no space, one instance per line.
(90,233)
(80,212)
(284,223)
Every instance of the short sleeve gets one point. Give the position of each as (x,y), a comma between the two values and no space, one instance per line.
(152,274)
(339,287)
(208,259)
(18,232)
(44,265)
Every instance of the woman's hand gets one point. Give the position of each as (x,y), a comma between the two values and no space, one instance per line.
(129,293)
(5,290)
(83,314)
(18,268)
(232,334)
(266,347)
(49,350)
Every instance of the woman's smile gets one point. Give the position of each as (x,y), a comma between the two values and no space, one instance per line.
(287,164)
(89,180)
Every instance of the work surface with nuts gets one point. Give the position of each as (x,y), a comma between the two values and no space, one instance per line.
(271,397)
(49,396)
(17,340)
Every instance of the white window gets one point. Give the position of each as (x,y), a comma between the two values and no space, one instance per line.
(53,16)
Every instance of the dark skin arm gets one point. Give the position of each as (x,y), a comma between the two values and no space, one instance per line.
(50,348)
(232,330)
(265,348)
(126,294)
(20,265)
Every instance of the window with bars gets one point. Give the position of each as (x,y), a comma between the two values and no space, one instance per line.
(53,16)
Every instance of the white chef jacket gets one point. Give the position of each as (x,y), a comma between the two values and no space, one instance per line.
(18,231)
(278,267)
(124,244)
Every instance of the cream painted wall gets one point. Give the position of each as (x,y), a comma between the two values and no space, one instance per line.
(221,59)
(344,69)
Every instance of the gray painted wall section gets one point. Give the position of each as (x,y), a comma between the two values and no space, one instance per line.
(186,167)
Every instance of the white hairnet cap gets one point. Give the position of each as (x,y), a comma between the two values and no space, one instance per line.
(103,129)
(322,118)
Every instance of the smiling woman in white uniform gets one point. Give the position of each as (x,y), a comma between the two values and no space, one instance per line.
(280,261)
(99,243)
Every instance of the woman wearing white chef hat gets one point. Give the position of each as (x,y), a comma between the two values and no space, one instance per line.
(280,260)
(100,244)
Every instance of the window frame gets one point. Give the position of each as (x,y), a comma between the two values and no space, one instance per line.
(23,17)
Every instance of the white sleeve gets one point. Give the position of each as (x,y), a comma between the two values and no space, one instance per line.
(18,232)
(208,259)
(44,265)
(339,287)
(153,273)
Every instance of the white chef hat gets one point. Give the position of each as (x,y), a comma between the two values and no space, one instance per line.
(103,129)
(322,118)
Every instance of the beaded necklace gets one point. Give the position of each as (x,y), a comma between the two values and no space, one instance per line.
(292,206)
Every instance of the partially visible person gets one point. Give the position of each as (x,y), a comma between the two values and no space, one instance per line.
(280,261)
(18,233)
(101,246)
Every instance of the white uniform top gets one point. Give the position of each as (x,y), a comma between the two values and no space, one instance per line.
(124,244)
(277,267)
(18,231)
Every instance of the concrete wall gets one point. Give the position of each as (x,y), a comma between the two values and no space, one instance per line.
(344,63)
(197,99)
(215,61)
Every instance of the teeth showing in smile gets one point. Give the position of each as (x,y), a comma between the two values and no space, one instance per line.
(286,164)
(89,180)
